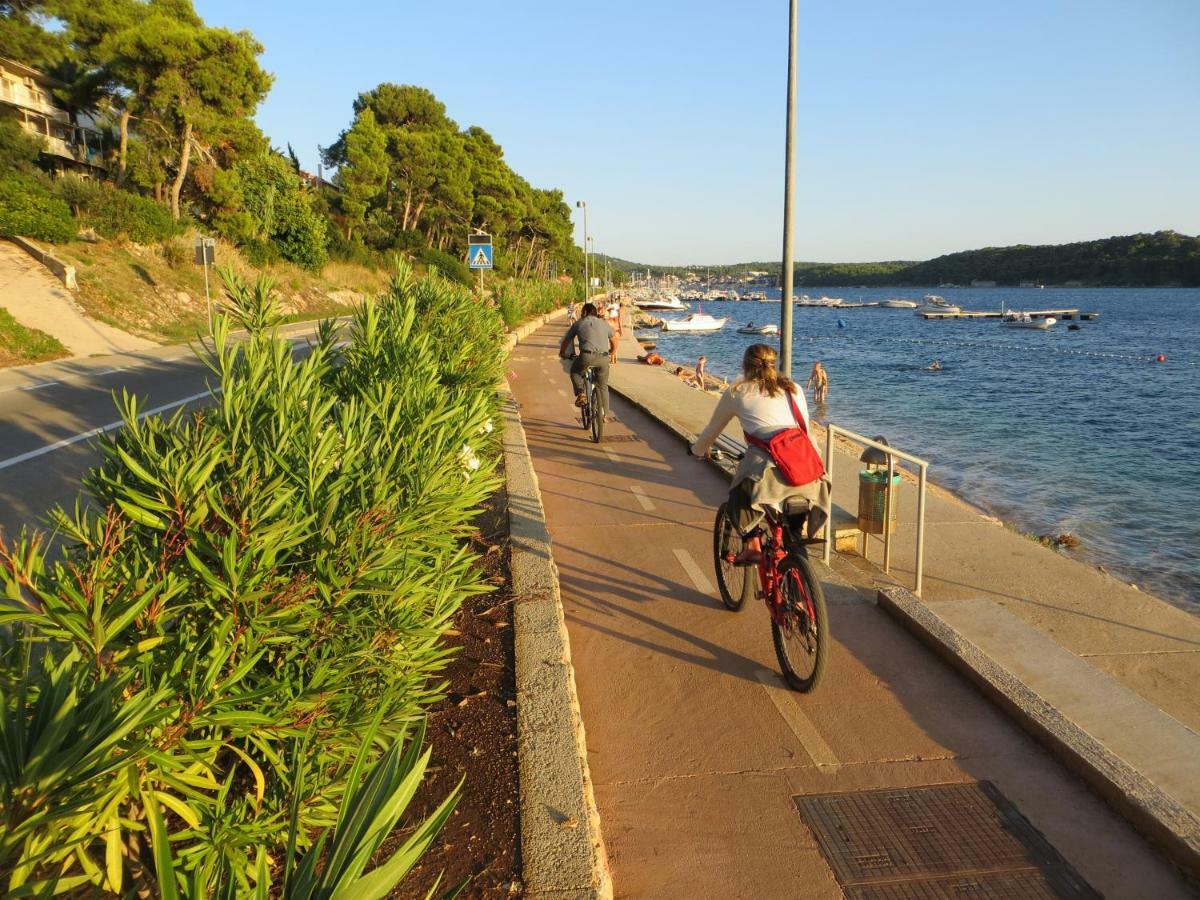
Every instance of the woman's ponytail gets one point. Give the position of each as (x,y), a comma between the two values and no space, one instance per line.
(758,365)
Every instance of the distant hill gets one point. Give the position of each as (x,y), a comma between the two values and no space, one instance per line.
(1162,259)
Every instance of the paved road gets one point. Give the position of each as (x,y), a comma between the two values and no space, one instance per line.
(47,413)
(696,751)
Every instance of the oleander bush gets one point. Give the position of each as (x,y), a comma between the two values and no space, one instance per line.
(519,300)
(247,609)
(28,209)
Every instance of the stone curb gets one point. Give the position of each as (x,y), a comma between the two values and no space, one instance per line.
(1159,817)
(562,848)
(63,272)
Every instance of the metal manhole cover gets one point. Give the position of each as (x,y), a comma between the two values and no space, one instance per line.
(942,841)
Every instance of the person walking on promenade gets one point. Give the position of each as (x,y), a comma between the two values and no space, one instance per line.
(597,344)
(765,402)
(571,313)
(819,382)
(614,316)
(700,372)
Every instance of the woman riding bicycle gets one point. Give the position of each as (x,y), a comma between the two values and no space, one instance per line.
(762,401)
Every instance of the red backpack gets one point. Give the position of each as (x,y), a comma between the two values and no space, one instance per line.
(792,452)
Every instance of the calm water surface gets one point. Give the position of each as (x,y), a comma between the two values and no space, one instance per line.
(1059,431)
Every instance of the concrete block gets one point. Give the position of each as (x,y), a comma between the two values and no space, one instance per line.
(63,272)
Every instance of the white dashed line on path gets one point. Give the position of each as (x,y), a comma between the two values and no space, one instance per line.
(647,503)
(785,701)
(611,454)
(39,386)
(699,579)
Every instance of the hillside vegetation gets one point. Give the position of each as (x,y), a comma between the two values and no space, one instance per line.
(1162,259)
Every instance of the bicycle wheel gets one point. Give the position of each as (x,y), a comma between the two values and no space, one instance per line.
(801,641)
(597,414)
(734,582)
(585,411)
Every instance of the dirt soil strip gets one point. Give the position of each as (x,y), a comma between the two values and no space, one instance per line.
(473,732)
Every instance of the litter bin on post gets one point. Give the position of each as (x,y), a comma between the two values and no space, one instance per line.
(872,499)
(876,503)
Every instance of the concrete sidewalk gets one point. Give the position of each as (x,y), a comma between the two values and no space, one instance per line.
(696,750)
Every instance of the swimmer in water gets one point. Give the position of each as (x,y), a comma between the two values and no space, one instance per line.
(819,382)
(935,366)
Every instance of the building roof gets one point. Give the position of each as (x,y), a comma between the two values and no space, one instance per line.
(30,72)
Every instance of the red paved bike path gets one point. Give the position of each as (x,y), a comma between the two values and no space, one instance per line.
(695,748)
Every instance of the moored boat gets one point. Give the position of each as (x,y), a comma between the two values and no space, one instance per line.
(934,303)
(1024,320)
(898,303)
(751,328)
(697,321)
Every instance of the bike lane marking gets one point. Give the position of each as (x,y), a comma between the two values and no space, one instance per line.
(699,579)
(611,454)
(785,702)
(647,503)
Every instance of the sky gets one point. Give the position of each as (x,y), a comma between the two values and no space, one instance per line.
(923,127)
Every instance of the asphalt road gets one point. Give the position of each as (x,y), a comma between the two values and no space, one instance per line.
(50,414)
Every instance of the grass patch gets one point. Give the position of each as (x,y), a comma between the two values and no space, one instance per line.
(20,345)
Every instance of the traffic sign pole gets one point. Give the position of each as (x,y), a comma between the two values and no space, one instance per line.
(480,255)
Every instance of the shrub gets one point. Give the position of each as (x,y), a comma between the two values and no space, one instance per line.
(520,300)
(262,201)
(244,593)
(449,266)
(18,150)
(114,212)
(29,210)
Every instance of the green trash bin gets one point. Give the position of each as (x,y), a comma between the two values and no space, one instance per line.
(872,493)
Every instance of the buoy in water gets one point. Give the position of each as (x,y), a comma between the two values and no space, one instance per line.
(1162,357)
(841,323)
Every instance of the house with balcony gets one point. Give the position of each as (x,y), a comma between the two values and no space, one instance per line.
(67,145)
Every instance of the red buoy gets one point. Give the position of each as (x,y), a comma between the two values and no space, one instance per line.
(1162,357)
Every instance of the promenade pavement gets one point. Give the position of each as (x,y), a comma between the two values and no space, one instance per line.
(696,750)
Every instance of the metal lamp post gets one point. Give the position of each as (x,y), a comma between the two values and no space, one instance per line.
(590,254)
(587,284)
(785,308)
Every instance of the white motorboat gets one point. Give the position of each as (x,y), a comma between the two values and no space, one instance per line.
(751,328)
(934,303)
(697,321)
(755,297)
(1024,320)
(805,300)
(667,303)
(897,303)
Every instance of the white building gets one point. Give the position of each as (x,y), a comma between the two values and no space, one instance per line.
(25,94)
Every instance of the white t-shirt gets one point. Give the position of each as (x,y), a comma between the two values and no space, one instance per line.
(758,414)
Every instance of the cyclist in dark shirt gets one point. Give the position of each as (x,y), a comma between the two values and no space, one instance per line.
(596,343)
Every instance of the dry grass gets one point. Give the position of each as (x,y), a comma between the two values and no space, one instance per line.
(158,291)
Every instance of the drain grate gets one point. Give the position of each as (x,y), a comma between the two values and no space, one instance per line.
(943,841)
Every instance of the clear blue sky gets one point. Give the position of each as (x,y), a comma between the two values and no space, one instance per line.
(924,127)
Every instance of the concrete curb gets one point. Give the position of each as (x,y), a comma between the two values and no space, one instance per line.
(60,270)
(562,848)
(1159,817)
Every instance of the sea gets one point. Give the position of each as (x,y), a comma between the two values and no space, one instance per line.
(1054,432)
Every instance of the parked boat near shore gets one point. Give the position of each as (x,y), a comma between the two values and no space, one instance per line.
(934,303)
(751,328)
(898,303)
(697,321)
(1013,319)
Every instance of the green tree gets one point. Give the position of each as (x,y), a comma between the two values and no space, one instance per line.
(191,81)
(363,175)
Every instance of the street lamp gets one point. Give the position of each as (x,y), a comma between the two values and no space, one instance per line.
(589,255)
(785,308)
(582,204)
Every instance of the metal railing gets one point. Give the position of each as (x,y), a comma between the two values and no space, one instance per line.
(893,454)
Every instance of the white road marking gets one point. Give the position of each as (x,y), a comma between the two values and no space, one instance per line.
(647,503)
(39,386)
(611,454)
(83,436)
(561,392)
(699,579)
(785,701)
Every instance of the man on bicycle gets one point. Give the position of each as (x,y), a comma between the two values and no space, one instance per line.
(596,343)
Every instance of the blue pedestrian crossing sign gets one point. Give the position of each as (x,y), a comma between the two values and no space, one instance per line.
(479,251)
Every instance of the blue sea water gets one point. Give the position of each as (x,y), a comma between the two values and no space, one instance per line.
(1058,431)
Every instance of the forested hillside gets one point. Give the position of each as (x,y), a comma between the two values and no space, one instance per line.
(1165,258)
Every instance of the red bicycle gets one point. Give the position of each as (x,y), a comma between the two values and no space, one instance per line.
(786,582)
